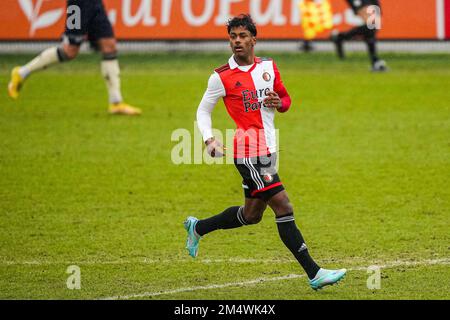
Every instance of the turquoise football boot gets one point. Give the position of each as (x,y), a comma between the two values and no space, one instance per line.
(193,238)
(326,277)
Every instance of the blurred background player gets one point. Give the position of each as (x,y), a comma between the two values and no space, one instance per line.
(95,26)
(306,46)
(361,9)
(252,90)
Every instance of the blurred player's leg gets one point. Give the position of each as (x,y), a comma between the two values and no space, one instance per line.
(306,46)
(364,32)
(353,33)
(338,42)
(378,65)
(369,37)
(73,37)
(47,58)
(101,34)
(111,73)
(371,41)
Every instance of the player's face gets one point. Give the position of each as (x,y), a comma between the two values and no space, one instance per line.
(242,42)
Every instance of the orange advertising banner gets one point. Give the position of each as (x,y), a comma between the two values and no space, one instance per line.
(206,19)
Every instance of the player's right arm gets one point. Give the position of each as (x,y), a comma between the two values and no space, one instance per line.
(213,93)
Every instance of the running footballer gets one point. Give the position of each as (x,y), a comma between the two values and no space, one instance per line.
(253,92)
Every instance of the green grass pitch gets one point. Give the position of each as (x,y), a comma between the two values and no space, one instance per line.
(364,157)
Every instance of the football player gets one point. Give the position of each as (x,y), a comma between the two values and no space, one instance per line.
(362,10)
(253,92)
(94,26)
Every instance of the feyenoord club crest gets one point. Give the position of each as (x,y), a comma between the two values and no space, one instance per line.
(267,76)
(268,178)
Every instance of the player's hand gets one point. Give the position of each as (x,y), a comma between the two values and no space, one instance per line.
(272,100)
(215,148)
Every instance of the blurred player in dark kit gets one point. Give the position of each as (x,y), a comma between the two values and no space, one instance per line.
(94,26)
(362,9)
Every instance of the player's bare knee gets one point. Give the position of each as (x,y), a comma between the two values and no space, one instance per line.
(253,219)
(71,55)
(69,52)
(283,209)
(108,47)
(254,215)
(287,207)
(280,204)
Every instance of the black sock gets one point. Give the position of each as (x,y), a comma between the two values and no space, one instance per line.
(369,37)
(229,219)
(293,239)
(371,45)
(110,56)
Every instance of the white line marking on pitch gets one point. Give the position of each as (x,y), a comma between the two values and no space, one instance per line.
(212,286)
(392,264)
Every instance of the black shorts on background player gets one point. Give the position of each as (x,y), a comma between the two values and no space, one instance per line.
(94,23)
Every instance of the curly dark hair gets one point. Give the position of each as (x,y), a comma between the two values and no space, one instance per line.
(242,20)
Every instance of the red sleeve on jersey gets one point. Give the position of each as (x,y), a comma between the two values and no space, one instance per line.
(223,68)
(279,88)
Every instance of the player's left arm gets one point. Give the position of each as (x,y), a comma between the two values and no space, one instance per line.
(278,98)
